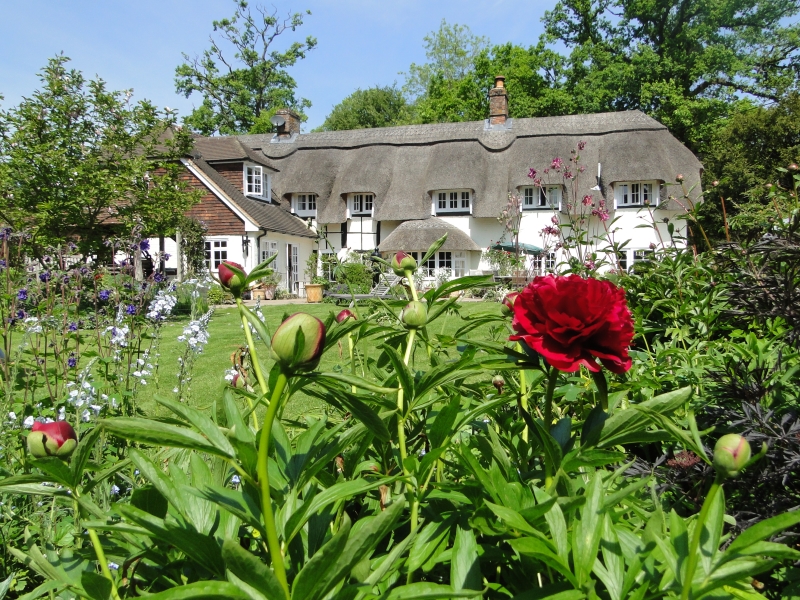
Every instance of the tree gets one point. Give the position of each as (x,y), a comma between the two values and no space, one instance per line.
(685,63)
(755,148)
(241,94)
(78,161)
(373,107)
(451,53)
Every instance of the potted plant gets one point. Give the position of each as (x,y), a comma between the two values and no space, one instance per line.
(315,288)
(265,289)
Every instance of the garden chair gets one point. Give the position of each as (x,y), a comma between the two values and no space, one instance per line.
(382,290)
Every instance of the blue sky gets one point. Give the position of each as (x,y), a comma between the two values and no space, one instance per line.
(137,44)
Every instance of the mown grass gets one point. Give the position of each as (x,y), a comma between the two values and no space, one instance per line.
(226,336)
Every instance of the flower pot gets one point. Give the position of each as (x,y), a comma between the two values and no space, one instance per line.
(269,292)
(314,293)
(259,295)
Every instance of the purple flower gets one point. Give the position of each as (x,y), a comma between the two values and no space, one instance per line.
(166,257)
(45,276)
(72,246)
(72,362)
(73,326)
(557,163)
(5,233)
(2,264)
(21,314)
(588,200)
(104,294)
(131,310)
(532,173)
(47,258)
(22,294)
(158,277)
(144,245)
(581,145)
(84,270)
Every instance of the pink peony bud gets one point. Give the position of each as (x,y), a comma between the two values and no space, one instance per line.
(498,382)
(232,280)
(402,262)
(52,439)
(508,303)
(344,315)
(285,348)
(731,454)
(678,177)
(414,315)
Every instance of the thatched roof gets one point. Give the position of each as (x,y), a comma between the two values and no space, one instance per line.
(227,149)
(402,166)
(417,235)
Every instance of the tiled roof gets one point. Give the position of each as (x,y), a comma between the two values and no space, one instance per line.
(271,217)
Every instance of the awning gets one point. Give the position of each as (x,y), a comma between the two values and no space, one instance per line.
(523,248)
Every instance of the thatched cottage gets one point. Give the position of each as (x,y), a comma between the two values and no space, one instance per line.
(401,187)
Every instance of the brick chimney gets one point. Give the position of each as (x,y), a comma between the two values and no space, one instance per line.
(291,123)
(498,102)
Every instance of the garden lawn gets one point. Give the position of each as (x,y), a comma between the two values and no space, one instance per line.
(226,336)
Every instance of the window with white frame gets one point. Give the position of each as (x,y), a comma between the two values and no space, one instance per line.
(550,262)
(459,264)
(361,204)
(305,205)
(269,249)
(640,256)
(216,252)
(545,197)
(255,181)
(636,193)
(622,260)
(452,201)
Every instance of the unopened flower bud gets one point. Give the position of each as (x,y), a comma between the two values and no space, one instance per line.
(238,381)
(52,439)
(508,303)
(793,167)
(232,280)
(402,262)
(295,353)
(678,177)
(715,183)
(731,454)
(498,382)
(344,315)
(414,315)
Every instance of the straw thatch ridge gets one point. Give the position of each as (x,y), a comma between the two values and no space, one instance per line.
(413,236)
(404,165)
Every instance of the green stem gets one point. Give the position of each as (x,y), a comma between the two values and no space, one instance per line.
(352,362)
(523,393)
(691,566)
(263,479)
(253,359)
(410,278)
(101,558)
(401,432)
(602,388)
(548,422)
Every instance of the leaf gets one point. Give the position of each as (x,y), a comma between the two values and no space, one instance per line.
(233,416)
(251,570)
(366,415)
(465,566)
(587,530)
(307,580)
(257,324)
(203,423)
(158,478)
(359,382)
(442,428)
(55,468)
(156,433)
(712,530)
(240,504)
(428,541)
(514,519)
(539,550)
(82,453)
(550,446)
(95,585)
(404,376)
(205,590)
(434,247)
(593,427)
(625,422)
(763,530)
(425,590)
(150,500)
(337,492)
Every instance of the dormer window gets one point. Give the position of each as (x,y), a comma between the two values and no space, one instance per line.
(361,204)
(547,197)
(636,194)
(453,201)
(255,182)
(304,205)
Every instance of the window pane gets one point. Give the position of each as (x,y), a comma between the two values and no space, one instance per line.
(528,200)
(368,203)
(453,199)
(312,202)
(445,260)
(465,200)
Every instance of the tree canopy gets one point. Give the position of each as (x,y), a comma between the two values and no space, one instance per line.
(373,107)
(242,78)
(78,162)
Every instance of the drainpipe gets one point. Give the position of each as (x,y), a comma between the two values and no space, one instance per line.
(258,245)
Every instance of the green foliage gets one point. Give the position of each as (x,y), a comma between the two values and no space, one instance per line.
(240,94)
(193,234)
(373,107)
(79,162)
(216,296)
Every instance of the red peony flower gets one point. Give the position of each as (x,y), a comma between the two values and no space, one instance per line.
(231,280)
(572,321)
(344,315)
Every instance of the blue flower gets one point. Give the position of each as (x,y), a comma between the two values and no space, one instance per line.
(144,245)
(158,278)
(73,326)
(45,276)
(131,310)
(104,294)
(22,294)
(72,362)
